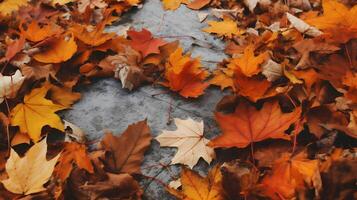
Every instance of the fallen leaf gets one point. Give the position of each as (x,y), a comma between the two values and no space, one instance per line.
(195,187)
(172,4)
(118,186)
(9,6)
(91,35)
(189,140)
(272,70)
(64,96)
(339,18)
(36,33)
(83,4)
(144,42)
(14,48)
(198,4)
(248,63)
(72,153)
(247,124)
(35,112)
(9,85)
(59,51)
(38,71)
(184,75)
(128,149)
(227,28)
(302,26)
(28,174)
(290,174)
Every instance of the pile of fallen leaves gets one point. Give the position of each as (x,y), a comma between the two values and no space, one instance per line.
(288,128)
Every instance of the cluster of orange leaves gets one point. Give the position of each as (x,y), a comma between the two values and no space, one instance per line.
(290,78)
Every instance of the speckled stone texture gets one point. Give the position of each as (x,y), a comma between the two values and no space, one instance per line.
(106,106)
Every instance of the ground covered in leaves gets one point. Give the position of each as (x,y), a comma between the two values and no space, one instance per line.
(287,126)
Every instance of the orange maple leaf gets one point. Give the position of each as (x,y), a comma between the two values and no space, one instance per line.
(247,124)
(184,75)
(227,28)
(144,42)
(248,64)
(291,174)
(336,19)
(73,152)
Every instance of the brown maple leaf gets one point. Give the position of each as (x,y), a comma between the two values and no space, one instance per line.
(128,149)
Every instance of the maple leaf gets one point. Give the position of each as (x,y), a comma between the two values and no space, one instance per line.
(247,124)
(128,149)
(36,112)
(91,35)
(223,77)
(254,88)
(248,64)
(195,187)
(197,4)
(227,28)
(290,174)
(36,33)
(59,51)
(28,174)
(185,75)
(9,6)
(189,140)
(144,42)
(72,152)
(9,85)
(336,19)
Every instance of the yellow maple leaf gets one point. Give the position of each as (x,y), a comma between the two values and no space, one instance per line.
(227,28)
(195,187)
(28,174)
(248,64)
(9,6)
(35,112)
(336,19)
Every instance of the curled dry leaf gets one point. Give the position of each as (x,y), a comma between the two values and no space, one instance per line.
(35,112)
(247,124)
(128,149)
(272,70)
(302,26)
(9,85)
(189,140)
(28,174)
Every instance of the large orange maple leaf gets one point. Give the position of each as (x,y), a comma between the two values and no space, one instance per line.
(247,124)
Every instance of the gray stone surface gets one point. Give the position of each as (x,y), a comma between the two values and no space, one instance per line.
(105,105)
